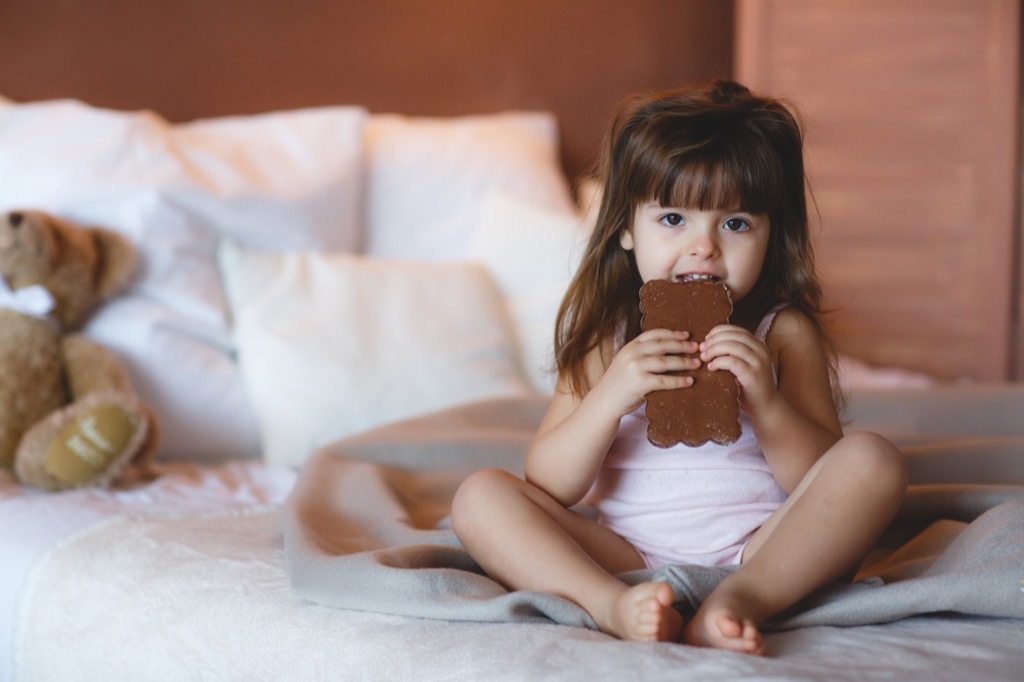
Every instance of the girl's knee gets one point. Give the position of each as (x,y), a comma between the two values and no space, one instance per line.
(486,482)
(478,494)
(874,460)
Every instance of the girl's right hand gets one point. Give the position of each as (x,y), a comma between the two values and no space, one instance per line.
(650,362)
(573,439)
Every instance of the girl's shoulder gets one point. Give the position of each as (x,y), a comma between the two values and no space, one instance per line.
(790,320)
(792,330)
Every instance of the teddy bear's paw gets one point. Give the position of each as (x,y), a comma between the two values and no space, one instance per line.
(86,444)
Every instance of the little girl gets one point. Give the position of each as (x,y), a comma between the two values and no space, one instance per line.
(698,184)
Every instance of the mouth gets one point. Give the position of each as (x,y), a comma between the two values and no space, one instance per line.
(697,277)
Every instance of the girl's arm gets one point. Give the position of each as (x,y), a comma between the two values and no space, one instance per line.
(796,422)
(575,434)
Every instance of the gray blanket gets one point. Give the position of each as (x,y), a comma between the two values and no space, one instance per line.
(366,528)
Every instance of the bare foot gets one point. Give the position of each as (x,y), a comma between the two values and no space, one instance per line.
(723,622)
(644,613)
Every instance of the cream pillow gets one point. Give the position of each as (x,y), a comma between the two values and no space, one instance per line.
(333,344)
(532,253)
(426,177)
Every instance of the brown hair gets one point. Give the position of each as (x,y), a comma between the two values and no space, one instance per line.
(706,148)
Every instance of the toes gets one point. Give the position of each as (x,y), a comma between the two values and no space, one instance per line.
(643,613)
(748,639)
(664,595)
(649,616)
(725,631)
(729,626)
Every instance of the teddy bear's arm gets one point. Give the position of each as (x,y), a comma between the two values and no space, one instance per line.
(89,367)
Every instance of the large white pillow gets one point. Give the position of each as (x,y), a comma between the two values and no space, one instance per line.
(281,180)
(532,253)
(427,177)
(284,180)
(334,344)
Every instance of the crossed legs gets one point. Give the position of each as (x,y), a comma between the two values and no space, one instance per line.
(526,540)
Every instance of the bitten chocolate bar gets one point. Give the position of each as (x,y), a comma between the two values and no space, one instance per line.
(709,410)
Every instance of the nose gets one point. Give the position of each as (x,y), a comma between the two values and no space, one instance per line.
(15,218)
(701,245)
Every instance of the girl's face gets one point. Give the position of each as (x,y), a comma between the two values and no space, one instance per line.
(679,245)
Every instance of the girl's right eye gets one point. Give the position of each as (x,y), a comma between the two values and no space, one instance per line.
(671,219)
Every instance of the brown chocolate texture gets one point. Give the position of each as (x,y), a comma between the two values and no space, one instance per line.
(709,410)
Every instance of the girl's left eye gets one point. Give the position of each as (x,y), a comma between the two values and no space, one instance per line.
(736,225)
(672,219)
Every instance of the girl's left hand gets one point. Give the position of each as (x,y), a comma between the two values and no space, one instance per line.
(734,349)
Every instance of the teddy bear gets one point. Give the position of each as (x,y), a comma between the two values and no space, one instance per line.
(69,416)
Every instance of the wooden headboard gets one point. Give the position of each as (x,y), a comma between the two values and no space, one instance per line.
(912,135)
(189,59)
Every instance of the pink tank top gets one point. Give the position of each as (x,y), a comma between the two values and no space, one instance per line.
(684,505)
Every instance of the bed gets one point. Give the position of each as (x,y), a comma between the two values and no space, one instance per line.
(345,307)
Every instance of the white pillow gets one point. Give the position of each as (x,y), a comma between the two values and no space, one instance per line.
(253,175)
(333,344)
(427,177)
(174,190)
(532,254)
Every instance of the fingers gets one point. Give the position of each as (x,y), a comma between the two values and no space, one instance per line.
(734,348)
(653,361)
(662,342)
(662,351)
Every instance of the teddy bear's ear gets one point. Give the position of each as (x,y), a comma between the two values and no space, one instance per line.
(117,262)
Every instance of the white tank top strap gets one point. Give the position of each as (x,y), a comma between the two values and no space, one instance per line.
(766,322)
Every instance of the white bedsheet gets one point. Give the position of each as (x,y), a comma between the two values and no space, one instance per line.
(33,521)
(242,621)
(225,521)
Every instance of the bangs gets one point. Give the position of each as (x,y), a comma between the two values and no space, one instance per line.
(735,173)
(705,185)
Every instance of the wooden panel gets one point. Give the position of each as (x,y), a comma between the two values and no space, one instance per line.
(911,113)
(194,58)
(1018,308)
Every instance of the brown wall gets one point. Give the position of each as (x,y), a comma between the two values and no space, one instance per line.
(196,58)
(913,118)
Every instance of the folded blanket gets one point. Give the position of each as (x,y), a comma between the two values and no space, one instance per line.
(367,528)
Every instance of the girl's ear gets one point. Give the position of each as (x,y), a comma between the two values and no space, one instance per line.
(626,239)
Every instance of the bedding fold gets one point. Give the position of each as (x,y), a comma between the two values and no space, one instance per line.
(367,528)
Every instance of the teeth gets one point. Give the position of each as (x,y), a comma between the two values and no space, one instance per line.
(696,278)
